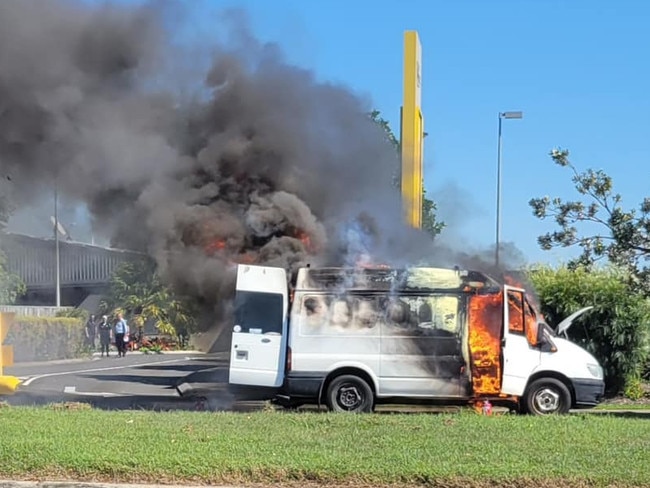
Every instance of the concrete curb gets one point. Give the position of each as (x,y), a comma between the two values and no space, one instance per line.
(163,353)
(83,484)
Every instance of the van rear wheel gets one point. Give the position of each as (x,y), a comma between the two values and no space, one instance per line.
(349,393)
(547,396)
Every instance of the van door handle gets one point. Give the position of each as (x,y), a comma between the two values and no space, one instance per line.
(265,340)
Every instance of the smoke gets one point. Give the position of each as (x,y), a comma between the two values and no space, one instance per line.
(260,164)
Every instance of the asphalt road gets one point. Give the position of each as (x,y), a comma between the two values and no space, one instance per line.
(135,381)
(170,381)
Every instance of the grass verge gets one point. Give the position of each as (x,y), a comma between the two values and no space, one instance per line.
(303,449)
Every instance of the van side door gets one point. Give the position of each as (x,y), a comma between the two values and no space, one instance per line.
(520,358)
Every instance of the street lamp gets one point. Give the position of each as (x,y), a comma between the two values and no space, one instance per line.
(502,115)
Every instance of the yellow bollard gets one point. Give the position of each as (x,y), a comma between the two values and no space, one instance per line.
(8,384)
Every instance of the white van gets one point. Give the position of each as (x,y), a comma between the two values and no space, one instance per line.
(353,338)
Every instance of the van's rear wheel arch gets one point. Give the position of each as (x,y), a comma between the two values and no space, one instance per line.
(547,387)
(364,387)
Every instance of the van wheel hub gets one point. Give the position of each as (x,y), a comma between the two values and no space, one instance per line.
(547,400)
(349,397)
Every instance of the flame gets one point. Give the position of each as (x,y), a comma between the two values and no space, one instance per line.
(214,246)
(364,261)
(305,238)
(485,317)
(530,320)
(246,258)
(512,281)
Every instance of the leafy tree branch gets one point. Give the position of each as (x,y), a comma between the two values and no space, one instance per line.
(597,223)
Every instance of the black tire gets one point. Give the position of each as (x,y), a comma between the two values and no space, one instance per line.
(349,393)
(547,396)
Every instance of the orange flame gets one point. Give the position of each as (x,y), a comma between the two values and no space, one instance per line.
(529,323)
(305,239)
(485,318)
(214,246)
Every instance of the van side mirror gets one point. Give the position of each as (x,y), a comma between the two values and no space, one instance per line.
(544,340)
(541,336)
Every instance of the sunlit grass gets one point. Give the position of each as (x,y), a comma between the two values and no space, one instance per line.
(453,449)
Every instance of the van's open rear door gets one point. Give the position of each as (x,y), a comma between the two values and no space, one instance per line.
(257,352)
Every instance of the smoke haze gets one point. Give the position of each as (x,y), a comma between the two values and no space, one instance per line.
(260,163)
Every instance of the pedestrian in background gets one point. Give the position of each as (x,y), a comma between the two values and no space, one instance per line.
(105,330)
(91,332)
(121,335)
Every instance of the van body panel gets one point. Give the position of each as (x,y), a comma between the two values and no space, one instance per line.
(422,333)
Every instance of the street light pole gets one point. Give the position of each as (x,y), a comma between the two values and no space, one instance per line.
(56,244)
(502,115)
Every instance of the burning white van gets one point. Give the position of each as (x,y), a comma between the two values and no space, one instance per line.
(353,338)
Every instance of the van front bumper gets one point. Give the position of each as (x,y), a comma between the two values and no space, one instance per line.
(588,392)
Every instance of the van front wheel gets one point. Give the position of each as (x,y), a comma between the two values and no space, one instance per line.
(348,393)
(547,396)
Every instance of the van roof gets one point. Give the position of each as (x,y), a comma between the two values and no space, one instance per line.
(378,279)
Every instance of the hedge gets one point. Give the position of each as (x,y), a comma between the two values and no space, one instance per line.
(616,331)
(46,338)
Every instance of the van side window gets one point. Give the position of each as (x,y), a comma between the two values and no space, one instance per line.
(259,313)
(325,314)
(515,312)
(421,315)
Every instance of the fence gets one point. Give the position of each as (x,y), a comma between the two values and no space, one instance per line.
(34,311)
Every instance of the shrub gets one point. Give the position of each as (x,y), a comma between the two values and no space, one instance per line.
(634,389)
(46,338)
(615,331)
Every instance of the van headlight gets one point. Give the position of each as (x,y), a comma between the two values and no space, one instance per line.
(596,370)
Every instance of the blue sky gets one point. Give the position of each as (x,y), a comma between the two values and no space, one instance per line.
(577,69)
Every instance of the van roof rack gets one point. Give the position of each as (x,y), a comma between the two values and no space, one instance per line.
(396,279)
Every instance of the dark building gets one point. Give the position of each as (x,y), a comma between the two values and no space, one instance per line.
(85,269)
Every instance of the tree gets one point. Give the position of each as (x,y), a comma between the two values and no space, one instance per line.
(11,286)
(137,290)
(615,331)
(607,231)
(429,223)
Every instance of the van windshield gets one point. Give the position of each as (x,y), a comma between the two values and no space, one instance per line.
(259,313)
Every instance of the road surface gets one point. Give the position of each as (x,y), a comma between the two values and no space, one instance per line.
(155,382)
(135,381)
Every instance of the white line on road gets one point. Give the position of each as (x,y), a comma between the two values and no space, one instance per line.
(95,370)
(72,390)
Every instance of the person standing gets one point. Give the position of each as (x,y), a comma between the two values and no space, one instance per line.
(91,332)
(104,335)
(121,333)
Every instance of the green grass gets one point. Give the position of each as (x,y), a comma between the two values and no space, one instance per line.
(624,406)
(465,449)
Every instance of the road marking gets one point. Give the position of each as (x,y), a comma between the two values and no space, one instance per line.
(72,390)
(95,370)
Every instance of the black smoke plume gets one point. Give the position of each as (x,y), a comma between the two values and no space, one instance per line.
(259,163)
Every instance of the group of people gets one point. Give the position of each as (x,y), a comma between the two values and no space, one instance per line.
(116,330)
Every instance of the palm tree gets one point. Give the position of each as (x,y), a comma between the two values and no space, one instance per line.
(137,290)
